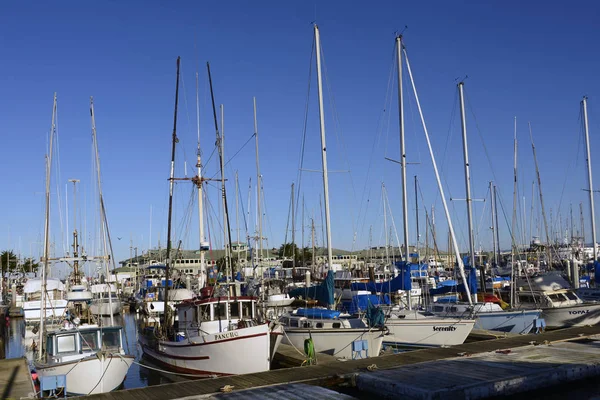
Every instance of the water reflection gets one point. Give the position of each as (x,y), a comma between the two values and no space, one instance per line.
(16,340)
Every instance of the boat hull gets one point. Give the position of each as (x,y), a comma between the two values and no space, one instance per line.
(103,307)
(335,342)
(90,375)
(515,321)
(240,351)
(579,315)
(53,309)
(428,332)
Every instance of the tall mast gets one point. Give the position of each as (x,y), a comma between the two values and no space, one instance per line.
(226,231)
(75,237)
(323,148)
(222,163)
(258,187)
(539,182)
(103,222)
(417,217)
(302,251)
(170,214)
(493,226)
(439,184)
(293,230)
(590,182)
(497,227)
(46,233)
(200,189)
(513,241)
(402,147)
(385,229)
(468,184)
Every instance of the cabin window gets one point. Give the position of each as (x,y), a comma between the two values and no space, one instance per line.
(438,308)
(571,296)
(234,310)
(89,341)
(319,325)
(50,345)
(220,311)
(294,323)
(452,309)
(336,325)
(284,321)
(66,343)
(556,297)
(246,309)
(111,339)
(306,324)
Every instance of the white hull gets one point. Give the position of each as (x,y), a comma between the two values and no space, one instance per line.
(54,309)
(579,315)
(92,374)
(239,351)
(335,342)
(428,332)
(519,321)
(103,307)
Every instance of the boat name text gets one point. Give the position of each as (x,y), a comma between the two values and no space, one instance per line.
(444,328)
(227,335)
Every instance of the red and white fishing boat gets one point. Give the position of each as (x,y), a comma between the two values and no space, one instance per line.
(215,336)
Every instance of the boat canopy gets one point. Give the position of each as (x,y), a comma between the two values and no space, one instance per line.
(35,285)
(322,292)
(317,313)
(401,282)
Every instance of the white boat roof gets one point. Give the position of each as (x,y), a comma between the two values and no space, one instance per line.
(35,285)
(102,288)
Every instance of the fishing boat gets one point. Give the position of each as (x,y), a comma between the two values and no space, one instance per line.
(101,305)
(90,357)
(216,334)
(55,303)
(560,305)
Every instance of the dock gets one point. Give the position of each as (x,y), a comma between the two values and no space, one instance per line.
(15,379)
(331,375)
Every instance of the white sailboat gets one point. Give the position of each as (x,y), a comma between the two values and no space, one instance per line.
(55,303)
(328,330)
(214,335)
(101,304)
(92,358)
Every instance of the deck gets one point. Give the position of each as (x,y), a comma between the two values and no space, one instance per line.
(332,374)
(15,379)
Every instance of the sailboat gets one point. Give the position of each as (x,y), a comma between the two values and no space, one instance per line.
(92,358)
(216,334)
(330,332)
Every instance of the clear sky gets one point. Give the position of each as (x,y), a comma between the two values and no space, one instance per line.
(533,60)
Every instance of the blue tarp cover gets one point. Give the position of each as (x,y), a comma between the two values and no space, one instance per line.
(362,302)
(322,292)
(317,313)
(401,282)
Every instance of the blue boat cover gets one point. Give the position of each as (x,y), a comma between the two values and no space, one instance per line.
(317,313)
(322,292)
(362,302)
(401,282)
(451,285)
(597,270)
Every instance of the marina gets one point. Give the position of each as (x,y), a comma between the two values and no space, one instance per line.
(209,221)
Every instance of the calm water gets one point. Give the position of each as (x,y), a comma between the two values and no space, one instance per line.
(17,339)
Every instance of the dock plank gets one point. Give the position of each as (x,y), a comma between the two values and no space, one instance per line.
(15,379)
(327,374)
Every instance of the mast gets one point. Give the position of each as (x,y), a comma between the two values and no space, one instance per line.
(468,185)
(539,182)
(226,232)
(200,190)
(417,218)
(303,261)
(323,148)
(590,182)
(402,150)
(293,231)
(493,226)
(258,187)
(513,246)
(170,214)
(222,163)
(46,233)
(75,237)
(439,184)
(387,235)
(497,230)
(103,222)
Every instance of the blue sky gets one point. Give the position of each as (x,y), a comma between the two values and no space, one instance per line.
(534,61)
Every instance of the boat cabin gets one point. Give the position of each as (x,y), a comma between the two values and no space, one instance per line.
(69,344)
(214,314)
(549,299)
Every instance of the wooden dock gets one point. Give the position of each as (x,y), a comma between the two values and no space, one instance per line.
(332,374)
(15,379)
